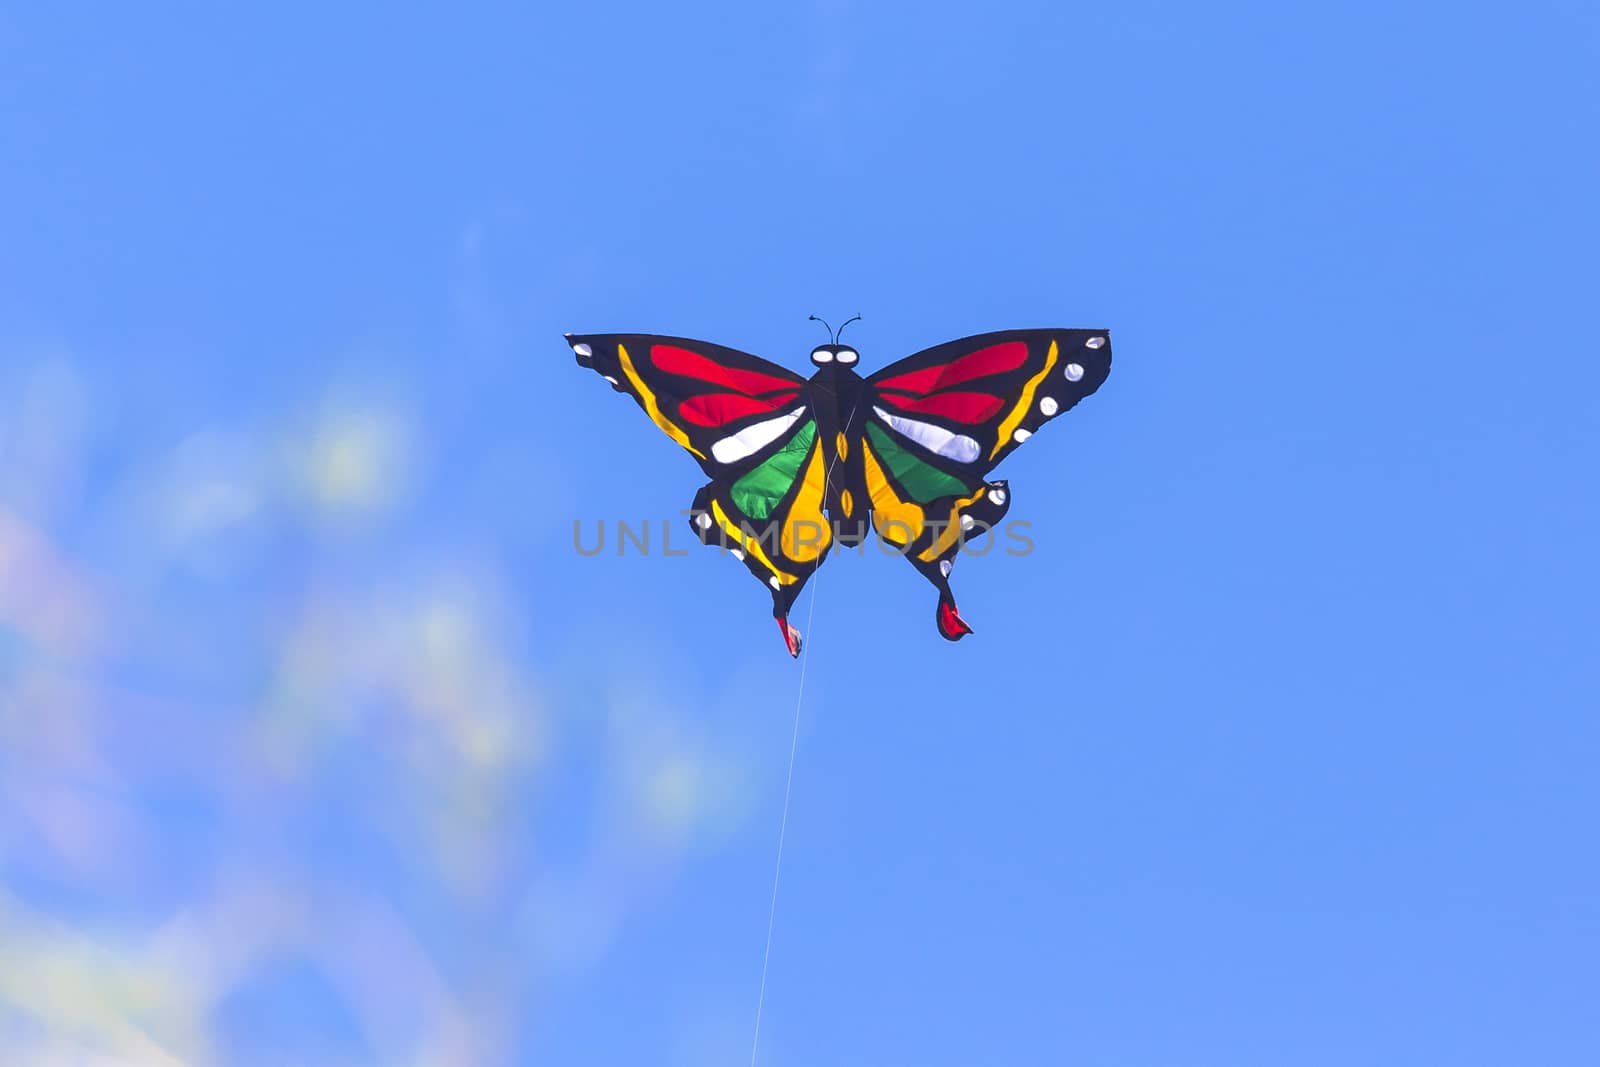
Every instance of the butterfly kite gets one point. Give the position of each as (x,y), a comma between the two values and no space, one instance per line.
(800,465)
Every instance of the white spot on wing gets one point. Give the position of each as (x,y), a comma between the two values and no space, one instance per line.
(944,567)
(703,521)
(1049,406)
(1094,342)
(773,581)
(1021,436)
(1073,372)
(583,350)
(998,496)
(935,439)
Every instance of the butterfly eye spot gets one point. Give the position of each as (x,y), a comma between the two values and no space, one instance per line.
(822,355)
(1074,372)
(1049,406)
(1094,342)
(847,355)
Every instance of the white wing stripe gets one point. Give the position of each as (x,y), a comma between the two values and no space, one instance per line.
(935,439)
(752,439)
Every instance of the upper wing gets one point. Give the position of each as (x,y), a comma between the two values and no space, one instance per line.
(966,404)
(728,408)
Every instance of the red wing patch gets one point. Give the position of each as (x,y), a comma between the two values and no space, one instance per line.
(970,408)
(717,409)
(693,365)
(996,359)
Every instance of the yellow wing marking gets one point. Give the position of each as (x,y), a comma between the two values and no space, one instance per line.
(805,531)
(653,409)
(890,514)
(952,532)
(1024,403)
(751,545)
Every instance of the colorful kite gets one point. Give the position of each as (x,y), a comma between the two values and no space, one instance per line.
(799,466)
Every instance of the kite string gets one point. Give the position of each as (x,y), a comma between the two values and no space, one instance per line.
(783,830)
(788,785)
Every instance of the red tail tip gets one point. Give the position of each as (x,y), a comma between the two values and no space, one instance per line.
(951,625)
(791,637)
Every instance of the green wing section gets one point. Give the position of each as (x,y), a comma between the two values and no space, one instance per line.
(759,492)
(925,482)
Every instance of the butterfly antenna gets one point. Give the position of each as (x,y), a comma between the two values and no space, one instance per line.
(841,329)
(825,326)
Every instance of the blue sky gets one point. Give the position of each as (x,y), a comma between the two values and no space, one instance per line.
(322,745)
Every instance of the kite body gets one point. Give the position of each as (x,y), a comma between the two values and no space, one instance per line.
(799,466)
